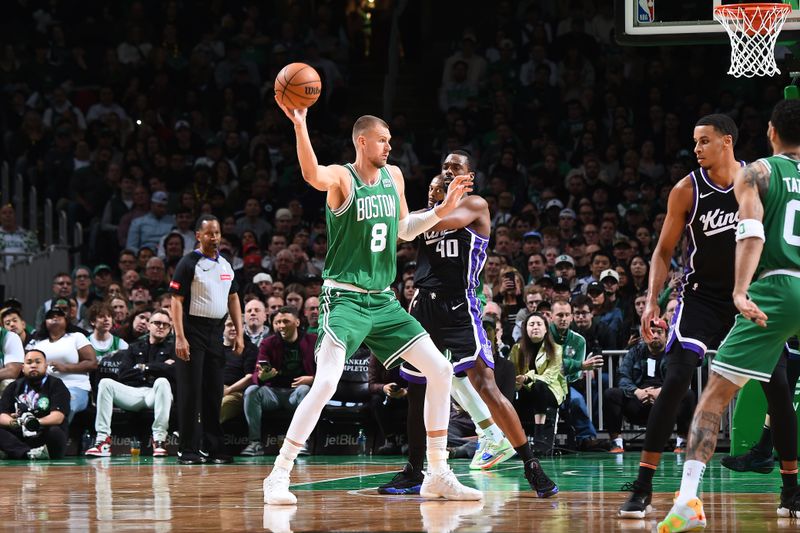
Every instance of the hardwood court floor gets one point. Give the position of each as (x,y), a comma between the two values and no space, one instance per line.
(338,494)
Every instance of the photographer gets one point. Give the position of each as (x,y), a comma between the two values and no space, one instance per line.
(33,413)
(641,374)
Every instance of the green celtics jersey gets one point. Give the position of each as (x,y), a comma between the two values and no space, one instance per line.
(781,215)
(362,234)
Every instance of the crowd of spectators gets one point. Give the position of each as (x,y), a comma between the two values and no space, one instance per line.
(136,118)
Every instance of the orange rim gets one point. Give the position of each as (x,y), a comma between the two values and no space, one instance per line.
(744,10)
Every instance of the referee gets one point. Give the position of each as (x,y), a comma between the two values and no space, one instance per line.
(203,294)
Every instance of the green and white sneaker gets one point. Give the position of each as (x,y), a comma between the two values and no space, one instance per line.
(496,454)
(483,444)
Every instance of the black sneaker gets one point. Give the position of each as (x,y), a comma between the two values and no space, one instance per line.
(220,459)
(405,482)
(190,458)
(638,503)
(790,503)
(752,461)
(538,480)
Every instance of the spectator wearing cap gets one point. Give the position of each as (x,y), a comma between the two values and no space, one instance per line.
(596,333)
(552,208)
(14,239)
(567,274)
(284,221)
(184,142)
(256,327)
(566,224)
(604,307)
(62,288)
(531,244)
(252,219)
(576,249)
(147,230)
(101,279)
(264,283)
(70,356)
(475,64)
(641,374)
(622,250)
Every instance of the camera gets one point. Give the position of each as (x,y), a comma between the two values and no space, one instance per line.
(29,424)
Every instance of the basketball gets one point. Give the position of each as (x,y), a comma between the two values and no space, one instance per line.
(298,86)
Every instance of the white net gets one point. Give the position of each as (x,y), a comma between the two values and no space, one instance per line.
(753,30)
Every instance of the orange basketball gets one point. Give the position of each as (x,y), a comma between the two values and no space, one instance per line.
(298,86)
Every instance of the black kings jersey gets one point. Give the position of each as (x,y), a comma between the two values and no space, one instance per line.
(450,261)
(710,235)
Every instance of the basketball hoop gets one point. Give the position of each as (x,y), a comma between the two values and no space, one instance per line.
(753,30)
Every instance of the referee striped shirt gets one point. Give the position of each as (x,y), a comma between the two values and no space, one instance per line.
(205,283)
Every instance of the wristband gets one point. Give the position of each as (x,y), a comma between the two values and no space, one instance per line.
(749,228)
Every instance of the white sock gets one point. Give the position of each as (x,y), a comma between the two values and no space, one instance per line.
(287,455)
(493,433)
(618,442)
(437,454)
(692,475)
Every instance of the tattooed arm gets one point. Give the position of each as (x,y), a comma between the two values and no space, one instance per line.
(750,186)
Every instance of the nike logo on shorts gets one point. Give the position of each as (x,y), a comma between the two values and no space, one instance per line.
(457,306)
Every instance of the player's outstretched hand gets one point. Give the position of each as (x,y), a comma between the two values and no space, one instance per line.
(749,309)
(460,185)
(297,116)
(651,312)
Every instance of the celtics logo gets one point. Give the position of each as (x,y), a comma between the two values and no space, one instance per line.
(43,404)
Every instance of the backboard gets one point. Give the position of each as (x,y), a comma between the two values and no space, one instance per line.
(676,22)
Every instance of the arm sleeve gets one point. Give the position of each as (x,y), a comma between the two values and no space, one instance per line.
(416,223)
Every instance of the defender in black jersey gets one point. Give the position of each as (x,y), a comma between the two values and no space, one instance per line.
(701,205)
(450,259)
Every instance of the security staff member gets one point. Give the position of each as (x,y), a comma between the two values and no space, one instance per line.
(203,294)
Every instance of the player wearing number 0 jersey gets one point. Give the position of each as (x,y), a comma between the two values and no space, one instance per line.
(366,212)
(767,247)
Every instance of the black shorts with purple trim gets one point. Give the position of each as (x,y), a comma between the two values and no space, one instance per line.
(701,322)
(454,324)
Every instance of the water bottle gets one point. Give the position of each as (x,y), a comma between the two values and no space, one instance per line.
(362,442)
(86,441)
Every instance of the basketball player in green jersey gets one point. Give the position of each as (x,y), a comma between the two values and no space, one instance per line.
(366,212)
(767,246)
